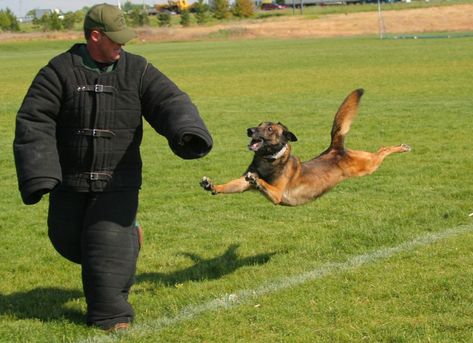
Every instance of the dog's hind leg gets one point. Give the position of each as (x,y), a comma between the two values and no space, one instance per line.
(359,163)
(343,119)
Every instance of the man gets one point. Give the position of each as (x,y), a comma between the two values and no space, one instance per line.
(78,134)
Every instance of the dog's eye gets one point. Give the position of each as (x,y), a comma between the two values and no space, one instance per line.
(270,129)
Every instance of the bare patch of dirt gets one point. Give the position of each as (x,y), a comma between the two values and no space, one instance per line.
(456,18)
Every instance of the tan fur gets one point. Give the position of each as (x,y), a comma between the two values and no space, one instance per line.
(285,180)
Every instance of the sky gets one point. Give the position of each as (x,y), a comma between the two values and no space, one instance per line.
(21,7)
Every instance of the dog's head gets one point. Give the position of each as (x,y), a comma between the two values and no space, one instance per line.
(268,138)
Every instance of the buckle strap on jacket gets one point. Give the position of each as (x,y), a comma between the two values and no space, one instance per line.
(96,176)
(95,88)
(96,133)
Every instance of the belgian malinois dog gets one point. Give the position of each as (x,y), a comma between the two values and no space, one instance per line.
(285,180)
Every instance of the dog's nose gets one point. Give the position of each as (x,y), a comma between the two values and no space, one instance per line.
(251,131)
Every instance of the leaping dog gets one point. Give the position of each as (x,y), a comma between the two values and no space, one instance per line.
(285,180)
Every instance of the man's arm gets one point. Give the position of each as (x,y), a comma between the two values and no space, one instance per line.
(34,147)
(172,114)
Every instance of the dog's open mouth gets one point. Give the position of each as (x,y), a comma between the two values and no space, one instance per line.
(255,144)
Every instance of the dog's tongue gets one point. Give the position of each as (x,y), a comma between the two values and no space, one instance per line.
(255,145)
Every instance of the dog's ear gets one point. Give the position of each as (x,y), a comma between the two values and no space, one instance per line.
(290,136)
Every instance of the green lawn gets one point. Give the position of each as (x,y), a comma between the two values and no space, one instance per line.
(212,267)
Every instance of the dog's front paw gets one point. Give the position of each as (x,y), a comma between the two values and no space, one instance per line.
(405,148)
(207,184)
(252,179)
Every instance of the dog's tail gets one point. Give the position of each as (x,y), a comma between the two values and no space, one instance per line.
(343,119)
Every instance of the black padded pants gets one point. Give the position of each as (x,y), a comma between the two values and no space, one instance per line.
(97,231)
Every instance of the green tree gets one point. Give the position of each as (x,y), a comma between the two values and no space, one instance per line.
(55,23)
(222,9)
(138,16)
(128,6)
(70,19)
(164,19)
(8,21)
(243,8)
(49,22)
(201,12)
(185,18)
(80,15)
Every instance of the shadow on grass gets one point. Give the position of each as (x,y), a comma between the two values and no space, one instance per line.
(45,304)
(207,269)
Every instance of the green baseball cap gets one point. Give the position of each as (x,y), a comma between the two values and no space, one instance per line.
(111,21)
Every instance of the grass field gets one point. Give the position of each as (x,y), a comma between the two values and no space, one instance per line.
(383,258)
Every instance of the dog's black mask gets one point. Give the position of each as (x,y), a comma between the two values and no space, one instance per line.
(268,138)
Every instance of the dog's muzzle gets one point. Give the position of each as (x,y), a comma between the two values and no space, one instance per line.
(256,142)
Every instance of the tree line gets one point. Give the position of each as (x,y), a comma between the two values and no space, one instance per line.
(136,16)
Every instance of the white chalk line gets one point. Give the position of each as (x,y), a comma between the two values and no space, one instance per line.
(244,296)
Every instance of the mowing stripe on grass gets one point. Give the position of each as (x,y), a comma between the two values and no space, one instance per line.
(244,296)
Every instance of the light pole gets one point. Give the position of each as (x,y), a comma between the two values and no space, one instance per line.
(380,21)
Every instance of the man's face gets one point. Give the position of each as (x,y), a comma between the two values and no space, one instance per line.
(107,50)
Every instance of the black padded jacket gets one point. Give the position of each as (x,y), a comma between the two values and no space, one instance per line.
(82,129)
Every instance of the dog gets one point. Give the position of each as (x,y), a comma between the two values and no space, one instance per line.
(285,180)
